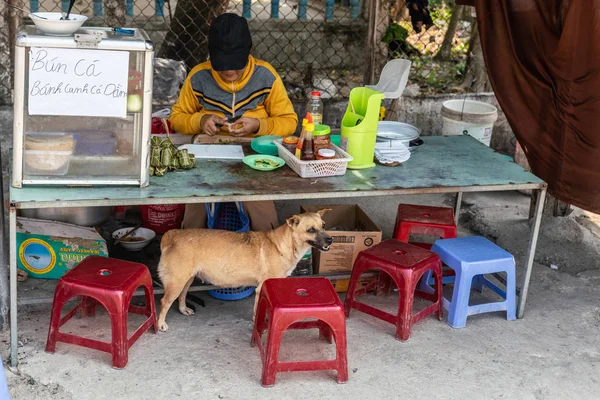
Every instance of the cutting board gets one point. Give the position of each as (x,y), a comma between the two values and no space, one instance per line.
(215,151)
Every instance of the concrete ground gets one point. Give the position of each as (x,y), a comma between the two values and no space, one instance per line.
(553,353)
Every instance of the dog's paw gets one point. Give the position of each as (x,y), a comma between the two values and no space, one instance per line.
(186,311)
(163,327)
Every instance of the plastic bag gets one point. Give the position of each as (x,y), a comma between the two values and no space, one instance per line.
(169,75)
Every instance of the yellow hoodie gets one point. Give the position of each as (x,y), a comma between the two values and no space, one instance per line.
(258,94)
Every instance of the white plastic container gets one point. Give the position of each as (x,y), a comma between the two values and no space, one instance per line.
(469,117)
(43,162)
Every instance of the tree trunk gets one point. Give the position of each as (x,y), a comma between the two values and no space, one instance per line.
(377,51)
(446,47)
(476,78)
(400,12)
(187,39)
(5,54)
(116,11)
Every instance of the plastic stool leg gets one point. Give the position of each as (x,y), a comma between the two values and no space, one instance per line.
(325,331)
(120,346)
(511,294)
(405,306)
(150,305)
(88,306)
(271,356)
(458,309)
(341,356)
(356,272)
(478,283)
(424,283)
(384,287)
(439,288)
(54,327)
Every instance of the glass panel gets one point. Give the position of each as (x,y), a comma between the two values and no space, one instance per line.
(87,148)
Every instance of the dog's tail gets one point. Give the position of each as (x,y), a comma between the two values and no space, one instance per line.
(167,240)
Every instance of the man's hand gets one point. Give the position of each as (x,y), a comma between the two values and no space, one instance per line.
(210,124)
(244,126)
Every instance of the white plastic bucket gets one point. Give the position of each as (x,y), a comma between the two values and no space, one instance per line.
(469,117)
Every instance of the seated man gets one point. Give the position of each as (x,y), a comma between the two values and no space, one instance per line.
(233,85)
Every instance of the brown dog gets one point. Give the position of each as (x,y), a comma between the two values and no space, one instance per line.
(230,259)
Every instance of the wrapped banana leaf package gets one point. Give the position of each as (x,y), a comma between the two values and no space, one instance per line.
(164,157)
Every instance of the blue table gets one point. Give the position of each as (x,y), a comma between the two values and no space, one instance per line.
(454,164)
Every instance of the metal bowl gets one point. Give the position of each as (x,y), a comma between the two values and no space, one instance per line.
(391,131)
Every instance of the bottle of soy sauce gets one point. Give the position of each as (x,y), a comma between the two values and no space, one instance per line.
(308,152)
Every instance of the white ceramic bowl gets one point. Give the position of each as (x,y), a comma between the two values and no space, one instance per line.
(145,233)
(54,26)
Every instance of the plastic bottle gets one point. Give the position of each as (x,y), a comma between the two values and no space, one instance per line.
(308,152)
(315,107)
(302,135)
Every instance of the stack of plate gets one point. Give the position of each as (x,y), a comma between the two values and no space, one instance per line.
(393,142)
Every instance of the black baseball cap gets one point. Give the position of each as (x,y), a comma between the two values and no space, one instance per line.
(229,42)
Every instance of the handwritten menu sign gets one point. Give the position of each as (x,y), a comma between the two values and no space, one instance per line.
(91,83)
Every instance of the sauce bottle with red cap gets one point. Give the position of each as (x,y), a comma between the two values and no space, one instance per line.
(315,107)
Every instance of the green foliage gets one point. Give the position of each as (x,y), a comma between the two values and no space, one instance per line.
(395,32)
(441,16)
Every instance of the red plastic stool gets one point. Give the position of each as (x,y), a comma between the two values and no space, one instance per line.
(111,283)
(424,220)
(421,220)
(287,301)
(404,264)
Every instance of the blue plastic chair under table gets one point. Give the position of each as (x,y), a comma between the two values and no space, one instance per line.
(471,258)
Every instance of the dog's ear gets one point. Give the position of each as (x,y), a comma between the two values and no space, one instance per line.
(323,211)
(293,221)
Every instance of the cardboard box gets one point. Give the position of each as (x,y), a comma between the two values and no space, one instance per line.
(352,232)
(48,249)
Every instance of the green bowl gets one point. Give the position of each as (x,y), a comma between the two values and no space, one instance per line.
(265,145)
(335,139)
(251,162)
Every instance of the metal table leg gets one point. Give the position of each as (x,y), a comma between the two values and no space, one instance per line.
(535,230)
(457,206)
(12,232)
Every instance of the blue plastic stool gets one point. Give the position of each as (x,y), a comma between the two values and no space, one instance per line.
(471,258)
(3,387)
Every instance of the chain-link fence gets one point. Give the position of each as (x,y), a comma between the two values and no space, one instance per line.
(331,45)
(436,36)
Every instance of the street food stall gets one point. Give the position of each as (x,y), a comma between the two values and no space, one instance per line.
(90,146)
